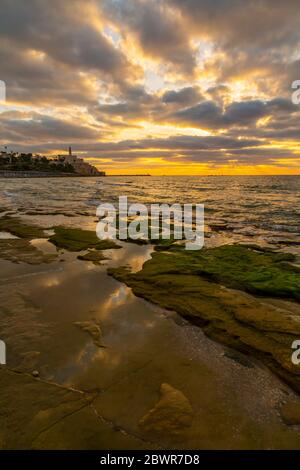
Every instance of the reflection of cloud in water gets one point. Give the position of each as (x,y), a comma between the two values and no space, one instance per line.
(52,282)
(87,362)
(108,357)
(117,298)
(120,295)
(132,255)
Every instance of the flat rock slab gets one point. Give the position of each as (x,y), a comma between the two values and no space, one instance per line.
(173,413)
(40,415)
(290,412)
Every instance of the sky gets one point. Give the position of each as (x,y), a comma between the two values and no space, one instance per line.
(166,87)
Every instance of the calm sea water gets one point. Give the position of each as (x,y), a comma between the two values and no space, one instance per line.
(265,207)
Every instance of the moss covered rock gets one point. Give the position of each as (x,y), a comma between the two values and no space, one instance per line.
(94,256)
(240,267)
(191,283)
(21,251)
(74,239)
(17,227)
(172,414)
(290,413)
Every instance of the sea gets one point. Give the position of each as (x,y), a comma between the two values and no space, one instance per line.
(264,210)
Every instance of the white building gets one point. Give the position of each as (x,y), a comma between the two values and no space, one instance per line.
(79,165)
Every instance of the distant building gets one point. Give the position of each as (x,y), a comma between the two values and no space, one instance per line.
(8,155)
(79,165)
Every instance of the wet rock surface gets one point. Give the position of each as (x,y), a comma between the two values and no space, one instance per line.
(172,414)
(290,413)
(92,255)
(21,251)
(93,329)
(74,239)
(16,226)
(158,382)
(187,283)
(44,415)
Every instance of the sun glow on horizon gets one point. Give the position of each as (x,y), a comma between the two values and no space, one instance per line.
(153,87)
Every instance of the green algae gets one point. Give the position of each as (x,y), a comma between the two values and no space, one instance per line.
(21,251)
(191,283)
(73,239)
(258,272)
(17,227)
(159,243)
(92,255)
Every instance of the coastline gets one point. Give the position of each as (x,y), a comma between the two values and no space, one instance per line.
(44,174)
(86,339)
(82,355)
(41,174)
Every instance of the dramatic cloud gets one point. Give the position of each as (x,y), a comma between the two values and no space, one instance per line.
(33,127)
(244,113)
(154,85)
(157,30)
(184,96)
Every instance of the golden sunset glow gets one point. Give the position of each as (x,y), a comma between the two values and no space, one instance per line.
(159,87)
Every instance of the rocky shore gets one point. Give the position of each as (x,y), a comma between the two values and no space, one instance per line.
(82,348)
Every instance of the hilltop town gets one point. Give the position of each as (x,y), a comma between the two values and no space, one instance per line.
(27,164)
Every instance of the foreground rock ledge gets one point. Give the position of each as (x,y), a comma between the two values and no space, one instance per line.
(193,284)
